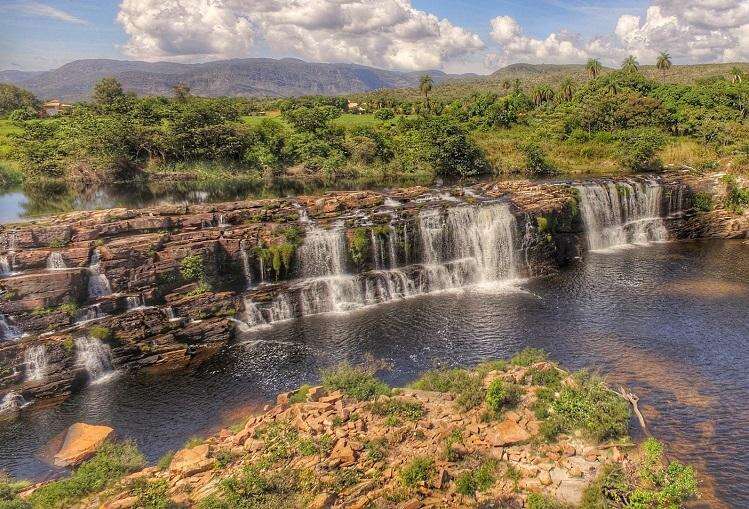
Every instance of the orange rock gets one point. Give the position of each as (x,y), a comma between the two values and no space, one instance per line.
(507,432)
(81,442)
(188,462)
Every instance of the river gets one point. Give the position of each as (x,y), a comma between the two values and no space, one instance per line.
(669,320)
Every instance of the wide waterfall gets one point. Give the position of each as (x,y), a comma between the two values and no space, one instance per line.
(55,261)
(617,214)
(7,330)
(95,357)
(35,359)
(98,284)
(461,247)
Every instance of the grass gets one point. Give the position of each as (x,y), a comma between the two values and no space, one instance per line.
(354,382)
(110,464)
(479,479)
(399,408)
(419,470)
(466,386)
(501,396)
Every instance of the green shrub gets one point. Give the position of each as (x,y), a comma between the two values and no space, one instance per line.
(528,356)
(255,488)
(9,489)
(480,479)
(384,114)
(192,268)
(281,440)
(300,395)
(536,161)
(410,410)
(538,501)
(354,382)
(550,377)
(99,332)
(418,470)
(466,386)
(358,245)
(502,395)
(703,202)
(111,463)
(455,437)
(737,197)
(165,460)
(151,494)
(376,449)
(193,442)
(638,148)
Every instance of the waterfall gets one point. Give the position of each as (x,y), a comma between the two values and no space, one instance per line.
(7,330)
(617,214)
(134,302)
(5,266)
(89,313)
(323,252)
(222,221)
(12,402)
(169,312)
(392,240)
(303,216)
(246,267)
(252,315)
(55,261)
(391,203)
(95,357)
(35,359)
(98,284)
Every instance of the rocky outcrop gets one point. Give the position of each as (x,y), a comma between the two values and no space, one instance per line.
(81,442)
(163,287)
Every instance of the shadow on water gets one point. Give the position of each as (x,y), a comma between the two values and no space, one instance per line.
(667,320)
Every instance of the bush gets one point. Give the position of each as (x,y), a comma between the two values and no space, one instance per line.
(528,356)
(100,332)
(703,202)
(638,148)
(358,245)
(411,410)
(480,479)
(537,501)
(191,268)
(151,494)
(384,114)
(737,197)
(9,490)
(418,470)
(354,382)
(502,395)
(536,162)
(466,386)
(111,463)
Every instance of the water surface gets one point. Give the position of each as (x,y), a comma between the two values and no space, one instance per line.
(668,320)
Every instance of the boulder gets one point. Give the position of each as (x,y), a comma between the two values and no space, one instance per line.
(189,462)
(81,442)
(507,432)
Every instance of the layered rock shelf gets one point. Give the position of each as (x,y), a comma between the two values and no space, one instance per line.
(91,293)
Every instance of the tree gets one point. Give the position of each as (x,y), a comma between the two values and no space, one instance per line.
(630,64)
(542,94)
(425,86)
(594,67)
(664,62)
(737,75)
(567,89)
(107,90)
(181,92)
(506,85)
(14,98)
(517,86)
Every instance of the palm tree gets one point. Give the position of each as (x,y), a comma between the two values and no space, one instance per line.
(630,64)
(425,86)
(594,67)
(737,75)
(542,94)
(567,89)
(664,62)
(612,87)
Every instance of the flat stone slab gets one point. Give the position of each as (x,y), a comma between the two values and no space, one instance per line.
(81,442)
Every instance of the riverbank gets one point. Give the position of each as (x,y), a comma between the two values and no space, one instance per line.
(520,433)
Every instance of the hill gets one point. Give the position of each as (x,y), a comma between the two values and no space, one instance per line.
(249,77)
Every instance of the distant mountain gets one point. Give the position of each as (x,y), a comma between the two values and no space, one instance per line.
(238,77)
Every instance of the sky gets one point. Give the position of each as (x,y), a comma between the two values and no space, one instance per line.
(452,35)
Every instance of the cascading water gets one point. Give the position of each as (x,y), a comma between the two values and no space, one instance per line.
(246,267)
(55,261)
(7,330)
(12,402)
(617,214)
(89,313)
(465,246)
(35,359)
(134,302)
(95,357)
(5,266)
(98,284)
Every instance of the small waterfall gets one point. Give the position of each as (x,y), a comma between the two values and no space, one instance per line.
(7,330)
(95,357)
(252,315)
(169,312)
(303,216)
(392,241)
(5,266)
(246,267)
(55,261)
(134,302)
(323,252)
(89,313)
(98,284)
(12,402)
(617,214)
(391,203)
(35,359)
(221,223)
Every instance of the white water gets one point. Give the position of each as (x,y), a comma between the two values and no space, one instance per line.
(35,359)
(622,214)
(95,357)
(5,266)
(7,330)
(89,313)
(169,312)
(12,402)
(246,267)
(55,261)
(135,302)
(98,284)
(464,247)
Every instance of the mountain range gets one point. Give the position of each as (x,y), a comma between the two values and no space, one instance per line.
(250,77)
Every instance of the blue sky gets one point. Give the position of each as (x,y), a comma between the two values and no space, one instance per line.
(477,35)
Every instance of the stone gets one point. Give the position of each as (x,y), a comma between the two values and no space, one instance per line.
(544,478)
(570,491)
(575,472)
(187,462)
(507,432)
(342,451)
(123,503)
(322,501)
(315,393)
(81,442)
(414,503)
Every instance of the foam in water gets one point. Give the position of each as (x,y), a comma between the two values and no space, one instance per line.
(98,284)
(95,357)
(618,214)
(55,261)
(12,402)
(7,330)
(35,359)
(465,246)
(169,312)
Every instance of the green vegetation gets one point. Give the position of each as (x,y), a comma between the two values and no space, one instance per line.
(465,385)
(355,382)
(528,356)
(9,489)
(109,465)
(399,408)
(192,267)
(479,479)
(100,332)
(300,395)
(538,501)
(703,202)
(418,470)
(151,494)
(654,484)
(737,197)
(358,245)
(502,395)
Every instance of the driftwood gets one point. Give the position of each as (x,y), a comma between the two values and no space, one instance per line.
(633,399)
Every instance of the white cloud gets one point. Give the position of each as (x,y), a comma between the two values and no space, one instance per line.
(385,33)
(33,8)
(691,31)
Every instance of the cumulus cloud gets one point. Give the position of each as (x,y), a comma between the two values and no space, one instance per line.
(690,30)
(385,33)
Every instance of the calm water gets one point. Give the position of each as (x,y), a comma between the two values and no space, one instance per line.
(668,320)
